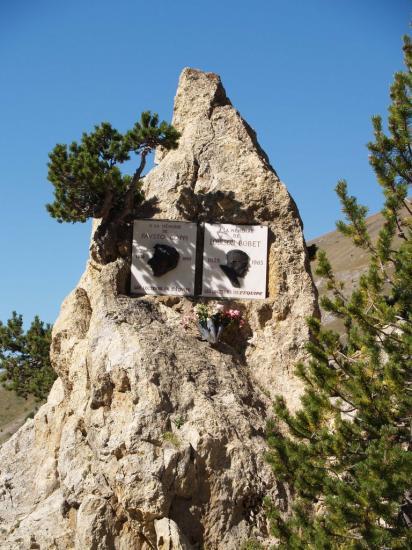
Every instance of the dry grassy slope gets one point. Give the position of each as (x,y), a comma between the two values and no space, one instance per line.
(13,412)
(348,261)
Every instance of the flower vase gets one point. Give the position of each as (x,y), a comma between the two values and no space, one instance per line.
(211,332)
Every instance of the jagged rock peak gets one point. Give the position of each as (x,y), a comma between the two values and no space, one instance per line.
(151,438)
(198,92)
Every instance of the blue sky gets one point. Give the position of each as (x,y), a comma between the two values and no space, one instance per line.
(307,75)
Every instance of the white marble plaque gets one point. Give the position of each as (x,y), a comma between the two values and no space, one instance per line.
(235,261)
(163,257)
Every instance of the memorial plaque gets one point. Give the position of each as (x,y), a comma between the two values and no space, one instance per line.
(235,261)
(163,257)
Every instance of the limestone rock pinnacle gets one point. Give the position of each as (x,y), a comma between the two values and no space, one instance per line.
(151,438)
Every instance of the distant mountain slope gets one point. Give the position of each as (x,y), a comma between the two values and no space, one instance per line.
(348,261)
(13,412)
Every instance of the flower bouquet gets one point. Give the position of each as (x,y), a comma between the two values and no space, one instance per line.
(211,322)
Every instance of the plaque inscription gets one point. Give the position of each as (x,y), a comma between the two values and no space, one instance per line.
(163,257)
(235,261)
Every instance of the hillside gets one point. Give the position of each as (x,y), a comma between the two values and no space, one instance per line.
(13,412)
(348,261)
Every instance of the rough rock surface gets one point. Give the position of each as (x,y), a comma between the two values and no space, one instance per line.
(151,438)
(219,173)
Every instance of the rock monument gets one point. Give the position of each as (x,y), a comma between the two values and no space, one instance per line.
(151,438)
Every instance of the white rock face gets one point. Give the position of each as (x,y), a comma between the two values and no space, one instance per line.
(220,174)
(151,438)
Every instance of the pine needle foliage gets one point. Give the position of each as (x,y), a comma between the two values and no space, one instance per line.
(86,176)
(24,357)
(346,454)
(88,182)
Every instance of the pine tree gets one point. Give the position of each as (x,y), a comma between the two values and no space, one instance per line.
(346,454)
(88,182)
(24,357)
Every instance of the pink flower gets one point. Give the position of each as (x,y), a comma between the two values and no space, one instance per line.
(234,314)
